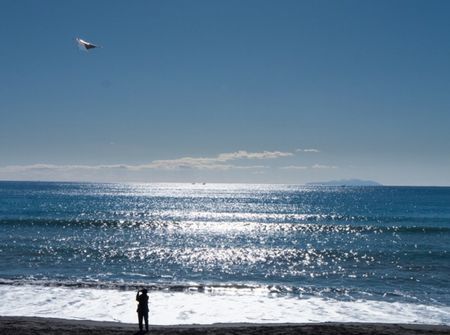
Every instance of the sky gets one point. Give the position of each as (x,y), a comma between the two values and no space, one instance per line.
(226,91)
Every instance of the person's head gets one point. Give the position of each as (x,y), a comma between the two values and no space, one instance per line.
(144,291)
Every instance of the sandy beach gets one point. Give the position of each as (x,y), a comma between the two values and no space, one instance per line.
(35,325)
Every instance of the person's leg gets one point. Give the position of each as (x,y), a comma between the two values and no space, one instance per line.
(146,321)
(140,316)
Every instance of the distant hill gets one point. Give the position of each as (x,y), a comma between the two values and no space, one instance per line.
(346,182)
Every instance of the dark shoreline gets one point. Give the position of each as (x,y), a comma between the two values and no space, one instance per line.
(35,325)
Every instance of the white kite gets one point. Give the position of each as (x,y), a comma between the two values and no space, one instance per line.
(82,44)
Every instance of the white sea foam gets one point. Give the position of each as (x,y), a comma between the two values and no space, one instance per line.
(225,305)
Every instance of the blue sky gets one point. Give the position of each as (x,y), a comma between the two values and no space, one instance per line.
(226,91)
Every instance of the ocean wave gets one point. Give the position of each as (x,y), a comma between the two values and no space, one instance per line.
(311,224)
(131,286)
(210,307)
(339,293)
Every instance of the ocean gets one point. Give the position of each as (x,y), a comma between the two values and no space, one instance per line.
(225,252)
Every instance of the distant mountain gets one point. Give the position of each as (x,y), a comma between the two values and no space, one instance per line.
(346,182)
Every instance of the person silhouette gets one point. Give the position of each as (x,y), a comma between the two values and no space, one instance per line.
(142,309)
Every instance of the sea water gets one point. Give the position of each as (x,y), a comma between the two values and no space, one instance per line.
(225,252)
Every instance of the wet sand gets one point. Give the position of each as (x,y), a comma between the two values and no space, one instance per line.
(35,326)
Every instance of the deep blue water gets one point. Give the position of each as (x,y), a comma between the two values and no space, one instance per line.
(383,243)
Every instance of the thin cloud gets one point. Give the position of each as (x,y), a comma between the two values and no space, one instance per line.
(218,162)
(307,150)
(320,166)
(214,163)
(242,154)
(303,167)
(294,167)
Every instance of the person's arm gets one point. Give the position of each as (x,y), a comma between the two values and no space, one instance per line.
(137,296)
